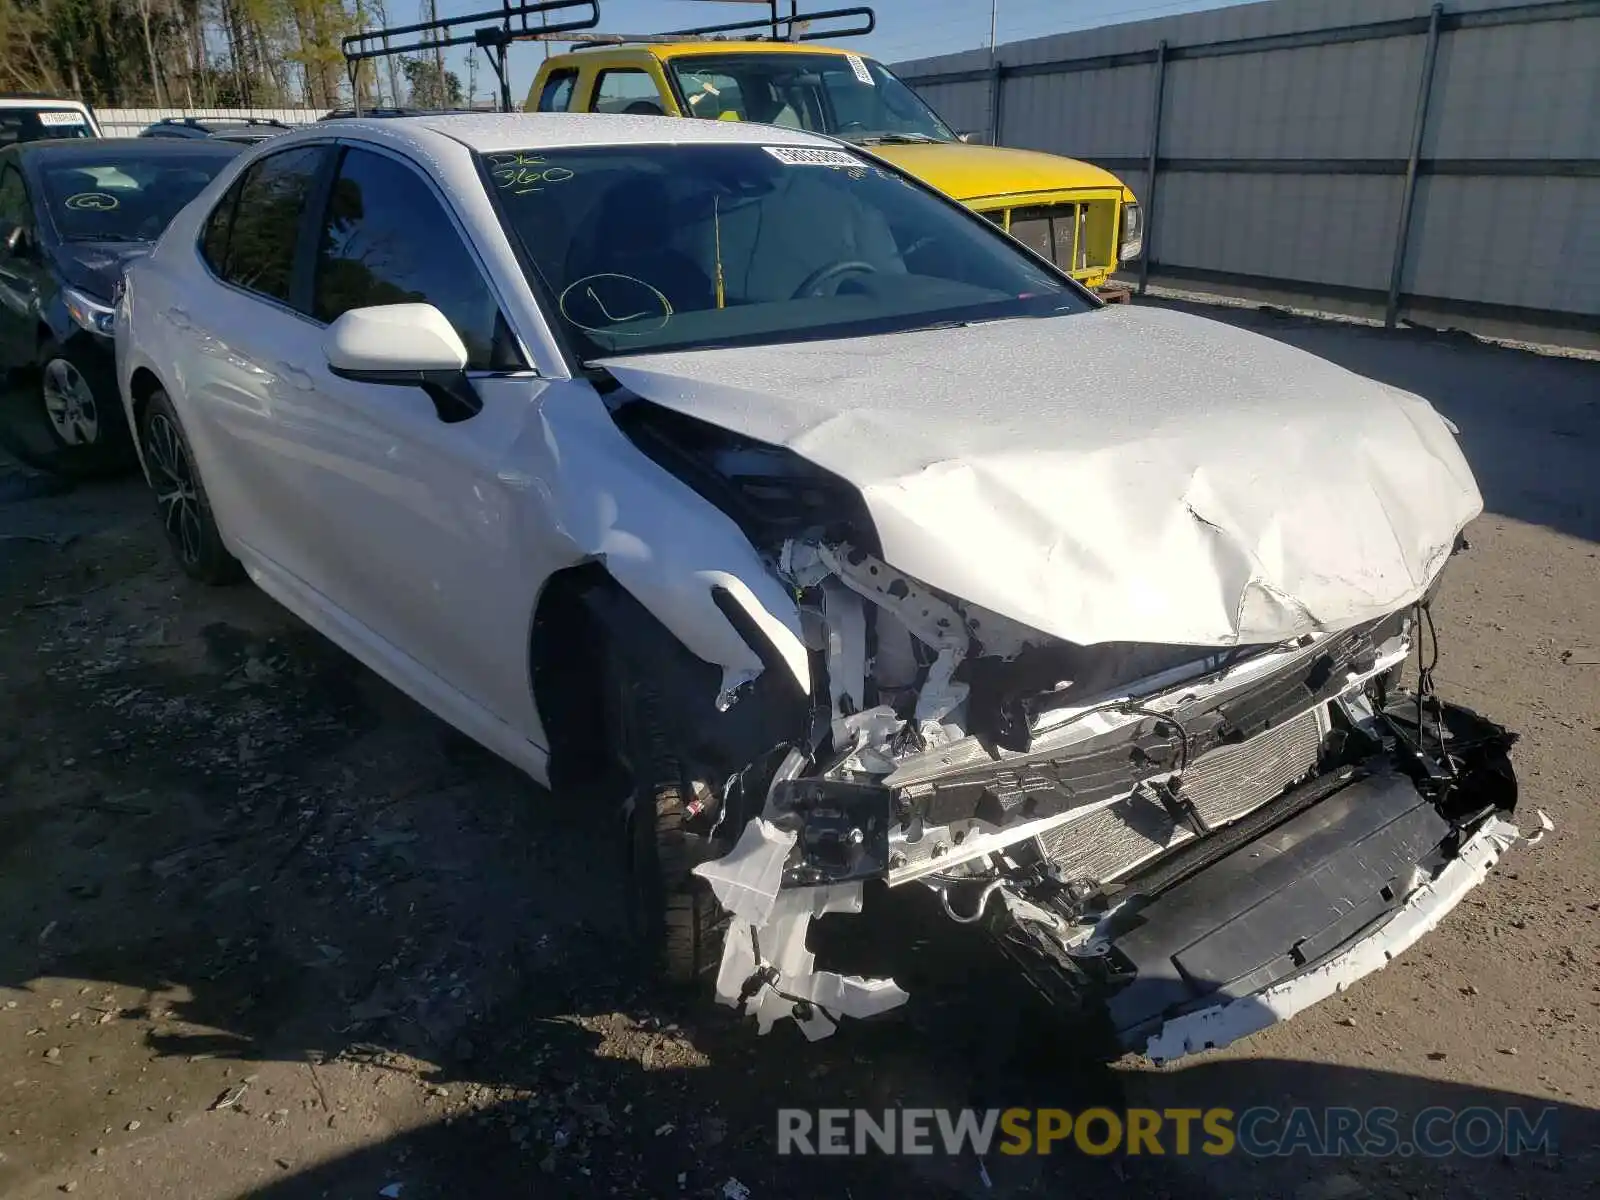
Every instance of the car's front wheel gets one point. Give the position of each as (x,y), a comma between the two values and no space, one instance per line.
(82,415)
(181,498)
(671,912)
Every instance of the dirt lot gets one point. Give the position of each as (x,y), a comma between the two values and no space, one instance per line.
(268,929)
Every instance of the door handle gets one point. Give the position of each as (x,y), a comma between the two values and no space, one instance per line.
(178,317)
(298,377)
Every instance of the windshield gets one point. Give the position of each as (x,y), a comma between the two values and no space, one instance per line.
(126,197)
(37,124)
(840,94)
(647,248)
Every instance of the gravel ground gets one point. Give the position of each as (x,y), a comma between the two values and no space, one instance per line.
(268,929)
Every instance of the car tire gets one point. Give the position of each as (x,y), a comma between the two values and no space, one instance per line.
(671,913)
(181,500)
(77,402)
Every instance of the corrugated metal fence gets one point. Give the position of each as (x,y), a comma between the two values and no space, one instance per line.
(1378,157)
(129,122)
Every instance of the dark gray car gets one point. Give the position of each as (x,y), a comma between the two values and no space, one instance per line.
(72,215)
(248,130)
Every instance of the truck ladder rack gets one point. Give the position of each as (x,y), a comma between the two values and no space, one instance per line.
(777,26)
(471,29)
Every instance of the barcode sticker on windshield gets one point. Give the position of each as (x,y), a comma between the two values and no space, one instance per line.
(804,156)
(860,69)
(61,118)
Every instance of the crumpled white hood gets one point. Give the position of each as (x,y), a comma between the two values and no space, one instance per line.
(1132,474)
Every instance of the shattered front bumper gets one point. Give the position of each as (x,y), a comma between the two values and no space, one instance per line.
(1181,908)
(1227,1020)
(1327,885)
(1173,834)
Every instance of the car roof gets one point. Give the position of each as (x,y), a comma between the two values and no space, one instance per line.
(495,132)
(349,114)
(26,100)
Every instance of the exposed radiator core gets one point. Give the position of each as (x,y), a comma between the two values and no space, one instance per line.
(1224,785)
(1233,780)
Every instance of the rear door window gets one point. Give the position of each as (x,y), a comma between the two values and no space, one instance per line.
(214,235)
(251,236)
(387,239)
(556,95)
(627,90)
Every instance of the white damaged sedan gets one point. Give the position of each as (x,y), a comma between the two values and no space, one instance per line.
(734,475)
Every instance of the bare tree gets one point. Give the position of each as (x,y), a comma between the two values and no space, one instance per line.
(150,51)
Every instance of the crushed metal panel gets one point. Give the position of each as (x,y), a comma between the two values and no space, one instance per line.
(1281,493)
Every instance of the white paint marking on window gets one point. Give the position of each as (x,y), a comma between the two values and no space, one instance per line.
(860,69)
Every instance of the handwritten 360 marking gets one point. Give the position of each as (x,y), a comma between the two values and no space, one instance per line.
(521,173)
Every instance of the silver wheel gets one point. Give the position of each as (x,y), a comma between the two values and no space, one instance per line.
(173,480)
(69,404)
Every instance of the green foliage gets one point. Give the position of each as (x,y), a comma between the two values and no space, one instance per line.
(211,53)
(429,87)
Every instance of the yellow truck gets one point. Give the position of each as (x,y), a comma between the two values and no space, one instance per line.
(1074,213)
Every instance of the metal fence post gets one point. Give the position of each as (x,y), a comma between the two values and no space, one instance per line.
(1402,233)
(1150,169)
(995,86)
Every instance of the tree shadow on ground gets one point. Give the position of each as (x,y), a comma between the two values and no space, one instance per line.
(486,1158)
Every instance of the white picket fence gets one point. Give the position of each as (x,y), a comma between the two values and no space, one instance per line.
(130,122)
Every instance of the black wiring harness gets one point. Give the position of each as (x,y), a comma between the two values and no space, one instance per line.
(1426,691)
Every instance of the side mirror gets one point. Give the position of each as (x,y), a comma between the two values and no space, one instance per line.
(969,136)
(404,345)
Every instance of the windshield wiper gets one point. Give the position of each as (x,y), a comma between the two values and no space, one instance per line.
(104,237)
(878,139)
(970,322)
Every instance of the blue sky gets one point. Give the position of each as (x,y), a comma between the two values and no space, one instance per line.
(906,28)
